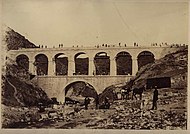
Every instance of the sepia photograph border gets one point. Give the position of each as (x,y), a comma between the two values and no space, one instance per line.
(114,131)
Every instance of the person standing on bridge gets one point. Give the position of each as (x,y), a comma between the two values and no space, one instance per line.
(155,98)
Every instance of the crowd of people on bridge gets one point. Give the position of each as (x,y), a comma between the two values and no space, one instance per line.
(124,45)
(167,44)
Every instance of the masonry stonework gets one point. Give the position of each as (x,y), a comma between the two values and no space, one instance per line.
(54,85)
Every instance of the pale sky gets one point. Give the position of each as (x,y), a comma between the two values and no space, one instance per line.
(92,22)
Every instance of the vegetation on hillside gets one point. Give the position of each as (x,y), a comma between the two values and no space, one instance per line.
(15,41)
(17,88)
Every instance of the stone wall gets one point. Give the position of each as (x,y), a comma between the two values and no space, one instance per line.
(54,85)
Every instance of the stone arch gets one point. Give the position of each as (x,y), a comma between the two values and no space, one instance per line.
(41,63)
(102,63)
(94,53)
(22,61)
(70,92)
(145,57)
(24,53)
(81,63)
(61,64)
(123,63)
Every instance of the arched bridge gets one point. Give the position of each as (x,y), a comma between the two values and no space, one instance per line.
(121,63)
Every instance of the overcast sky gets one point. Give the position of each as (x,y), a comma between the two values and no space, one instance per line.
(92,22)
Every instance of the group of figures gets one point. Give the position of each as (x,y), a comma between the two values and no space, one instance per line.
(125,95)
(126,92)
(105,105)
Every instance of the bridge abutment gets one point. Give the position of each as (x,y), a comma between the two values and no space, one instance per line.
(51,67)
(113,69)
(31,67)
(71,67)
(134,66)
(91,67)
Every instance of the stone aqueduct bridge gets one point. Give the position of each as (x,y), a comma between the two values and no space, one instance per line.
(54,85)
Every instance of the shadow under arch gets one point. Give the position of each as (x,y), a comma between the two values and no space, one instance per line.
(61,64)
(124,63)
(145,57)
(41,63)
(80,88)
(102,63)
(22,61)
(81,63)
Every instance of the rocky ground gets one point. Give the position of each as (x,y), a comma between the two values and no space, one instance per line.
(123,114)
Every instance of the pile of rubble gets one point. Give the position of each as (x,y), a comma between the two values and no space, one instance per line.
(123,114)
(131,115)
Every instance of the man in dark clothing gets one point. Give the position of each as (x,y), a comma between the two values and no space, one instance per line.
(86,102)
(106,103)
(155,98)
(97,101)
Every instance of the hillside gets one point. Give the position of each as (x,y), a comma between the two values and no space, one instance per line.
(15,41)
(173,65)
(17,88)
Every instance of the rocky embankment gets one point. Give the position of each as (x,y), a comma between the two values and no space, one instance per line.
(123,114)
(172,65)
(15,41)
(18,90)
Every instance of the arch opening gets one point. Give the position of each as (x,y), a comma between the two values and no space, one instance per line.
(61,64)
(41,63)
(78,90)
(23,61)
(81,64)
(124,63)
(102,63)
(144,58)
